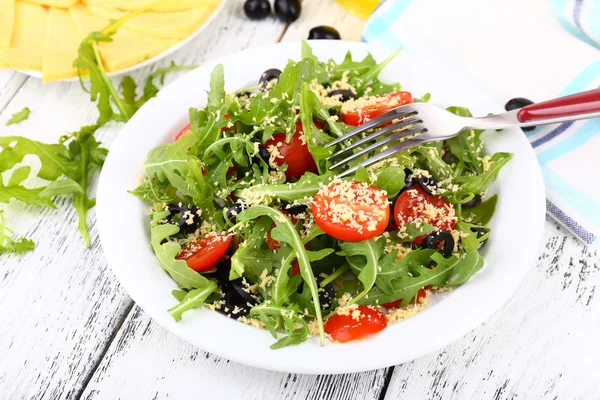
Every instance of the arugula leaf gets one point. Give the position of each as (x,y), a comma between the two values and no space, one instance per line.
(477,184)
(193,299)
(467,147)
(363,258)
(296,327)
(19,116)
(412,231)
(482,213)
(307,186)
(391,179)
(390,269)
(462,268)
(284,231)
(185,277)
(8,244)
(253,256)
(151,90)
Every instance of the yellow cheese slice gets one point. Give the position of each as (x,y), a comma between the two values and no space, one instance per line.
(54,3)
(7,22)
(165,5)
(27,46)
(166,25)
(60,49)
(127,48)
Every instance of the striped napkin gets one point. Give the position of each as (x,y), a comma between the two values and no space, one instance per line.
(519,48)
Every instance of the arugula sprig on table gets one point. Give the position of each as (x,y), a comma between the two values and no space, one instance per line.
(19,116)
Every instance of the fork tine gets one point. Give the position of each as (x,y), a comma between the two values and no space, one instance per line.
(390,128)
(397,112)
(406,144)
(392,138)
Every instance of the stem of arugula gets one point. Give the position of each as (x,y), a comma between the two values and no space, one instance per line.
(81,199)
(338,272)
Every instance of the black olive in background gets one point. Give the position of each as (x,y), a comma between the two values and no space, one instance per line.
(268,76)
(480,233)
(324,32)
(447,158)
(476,200)
(232,212)
(288,10)
(345,94)
(257,9)
(515,104)
(428,184)
(297,209)
(441,241)
(188,219)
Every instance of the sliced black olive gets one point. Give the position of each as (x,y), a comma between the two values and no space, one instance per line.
(428,184)
(324,32)
(447,157)
(243,94)
(188,217)
(264,154)
(515,104)
(441,241)
(480,233)
(241,290)
(288,10)
(297,209)
(268,76)
(476,200)
(234,306)
(345,94)
(409,179)
(326,294)
(234,210)
(257,9)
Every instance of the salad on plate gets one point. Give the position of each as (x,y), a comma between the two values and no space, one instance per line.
(249,220)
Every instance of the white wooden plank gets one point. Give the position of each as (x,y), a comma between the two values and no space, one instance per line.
(325,12)
(60,305)
(542,345)
(166,367)
(10,83)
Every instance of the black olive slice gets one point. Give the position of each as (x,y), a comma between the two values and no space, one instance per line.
(268,76)
(297,209)
(188,217)
(240,289)
(476,200)
(441,241)
(428,184)
(480,233)
(344,94)
(234,210)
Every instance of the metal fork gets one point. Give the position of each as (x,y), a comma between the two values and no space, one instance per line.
(421,123)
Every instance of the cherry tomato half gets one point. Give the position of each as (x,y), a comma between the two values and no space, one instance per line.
(350,210)
(295,153)
(185,131)
(421,294)
(414,205)
(203,254)
(375,107)
(344,328)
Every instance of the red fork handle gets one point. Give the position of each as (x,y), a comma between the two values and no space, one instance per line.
(575,104)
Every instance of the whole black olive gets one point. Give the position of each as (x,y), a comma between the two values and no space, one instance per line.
(476,200)
(344,94)
(480,233)
(324,32)
(297,209)
(288,10)
(515,104)
(257,9)
(441,241)
(428,184)
(234,210)
(268,76)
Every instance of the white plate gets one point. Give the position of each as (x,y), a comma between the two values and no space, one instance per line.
(158,57)
(124,224)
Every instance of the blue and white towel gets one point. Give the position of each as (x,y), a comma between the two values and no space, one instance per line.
(520,49)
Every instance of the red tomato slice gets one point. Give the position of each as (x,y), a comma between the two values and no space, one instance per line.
(414,205)
(295,268)
(295,153)
(421,294)
(375,107)
(203,254)
(344,328)
(350,210)
(184,131)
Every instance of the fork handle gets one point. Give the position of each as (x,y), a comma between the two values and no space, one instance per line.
(568,106)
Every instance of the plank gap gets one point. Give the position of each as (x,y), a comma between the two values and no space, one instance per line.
(386,382)
(107,345)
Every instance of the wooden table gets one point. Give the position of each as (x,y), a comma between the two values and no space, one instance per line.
(69,331)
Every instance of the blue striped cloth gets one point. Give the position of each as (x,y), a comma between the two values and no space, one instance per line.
(550,48)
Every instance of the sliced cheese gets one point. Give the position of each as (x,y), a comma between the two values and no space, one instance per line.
(166,25)
(54,3)
(7,22)
(27,45)
(127,48)
(165,5)
(60,49)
